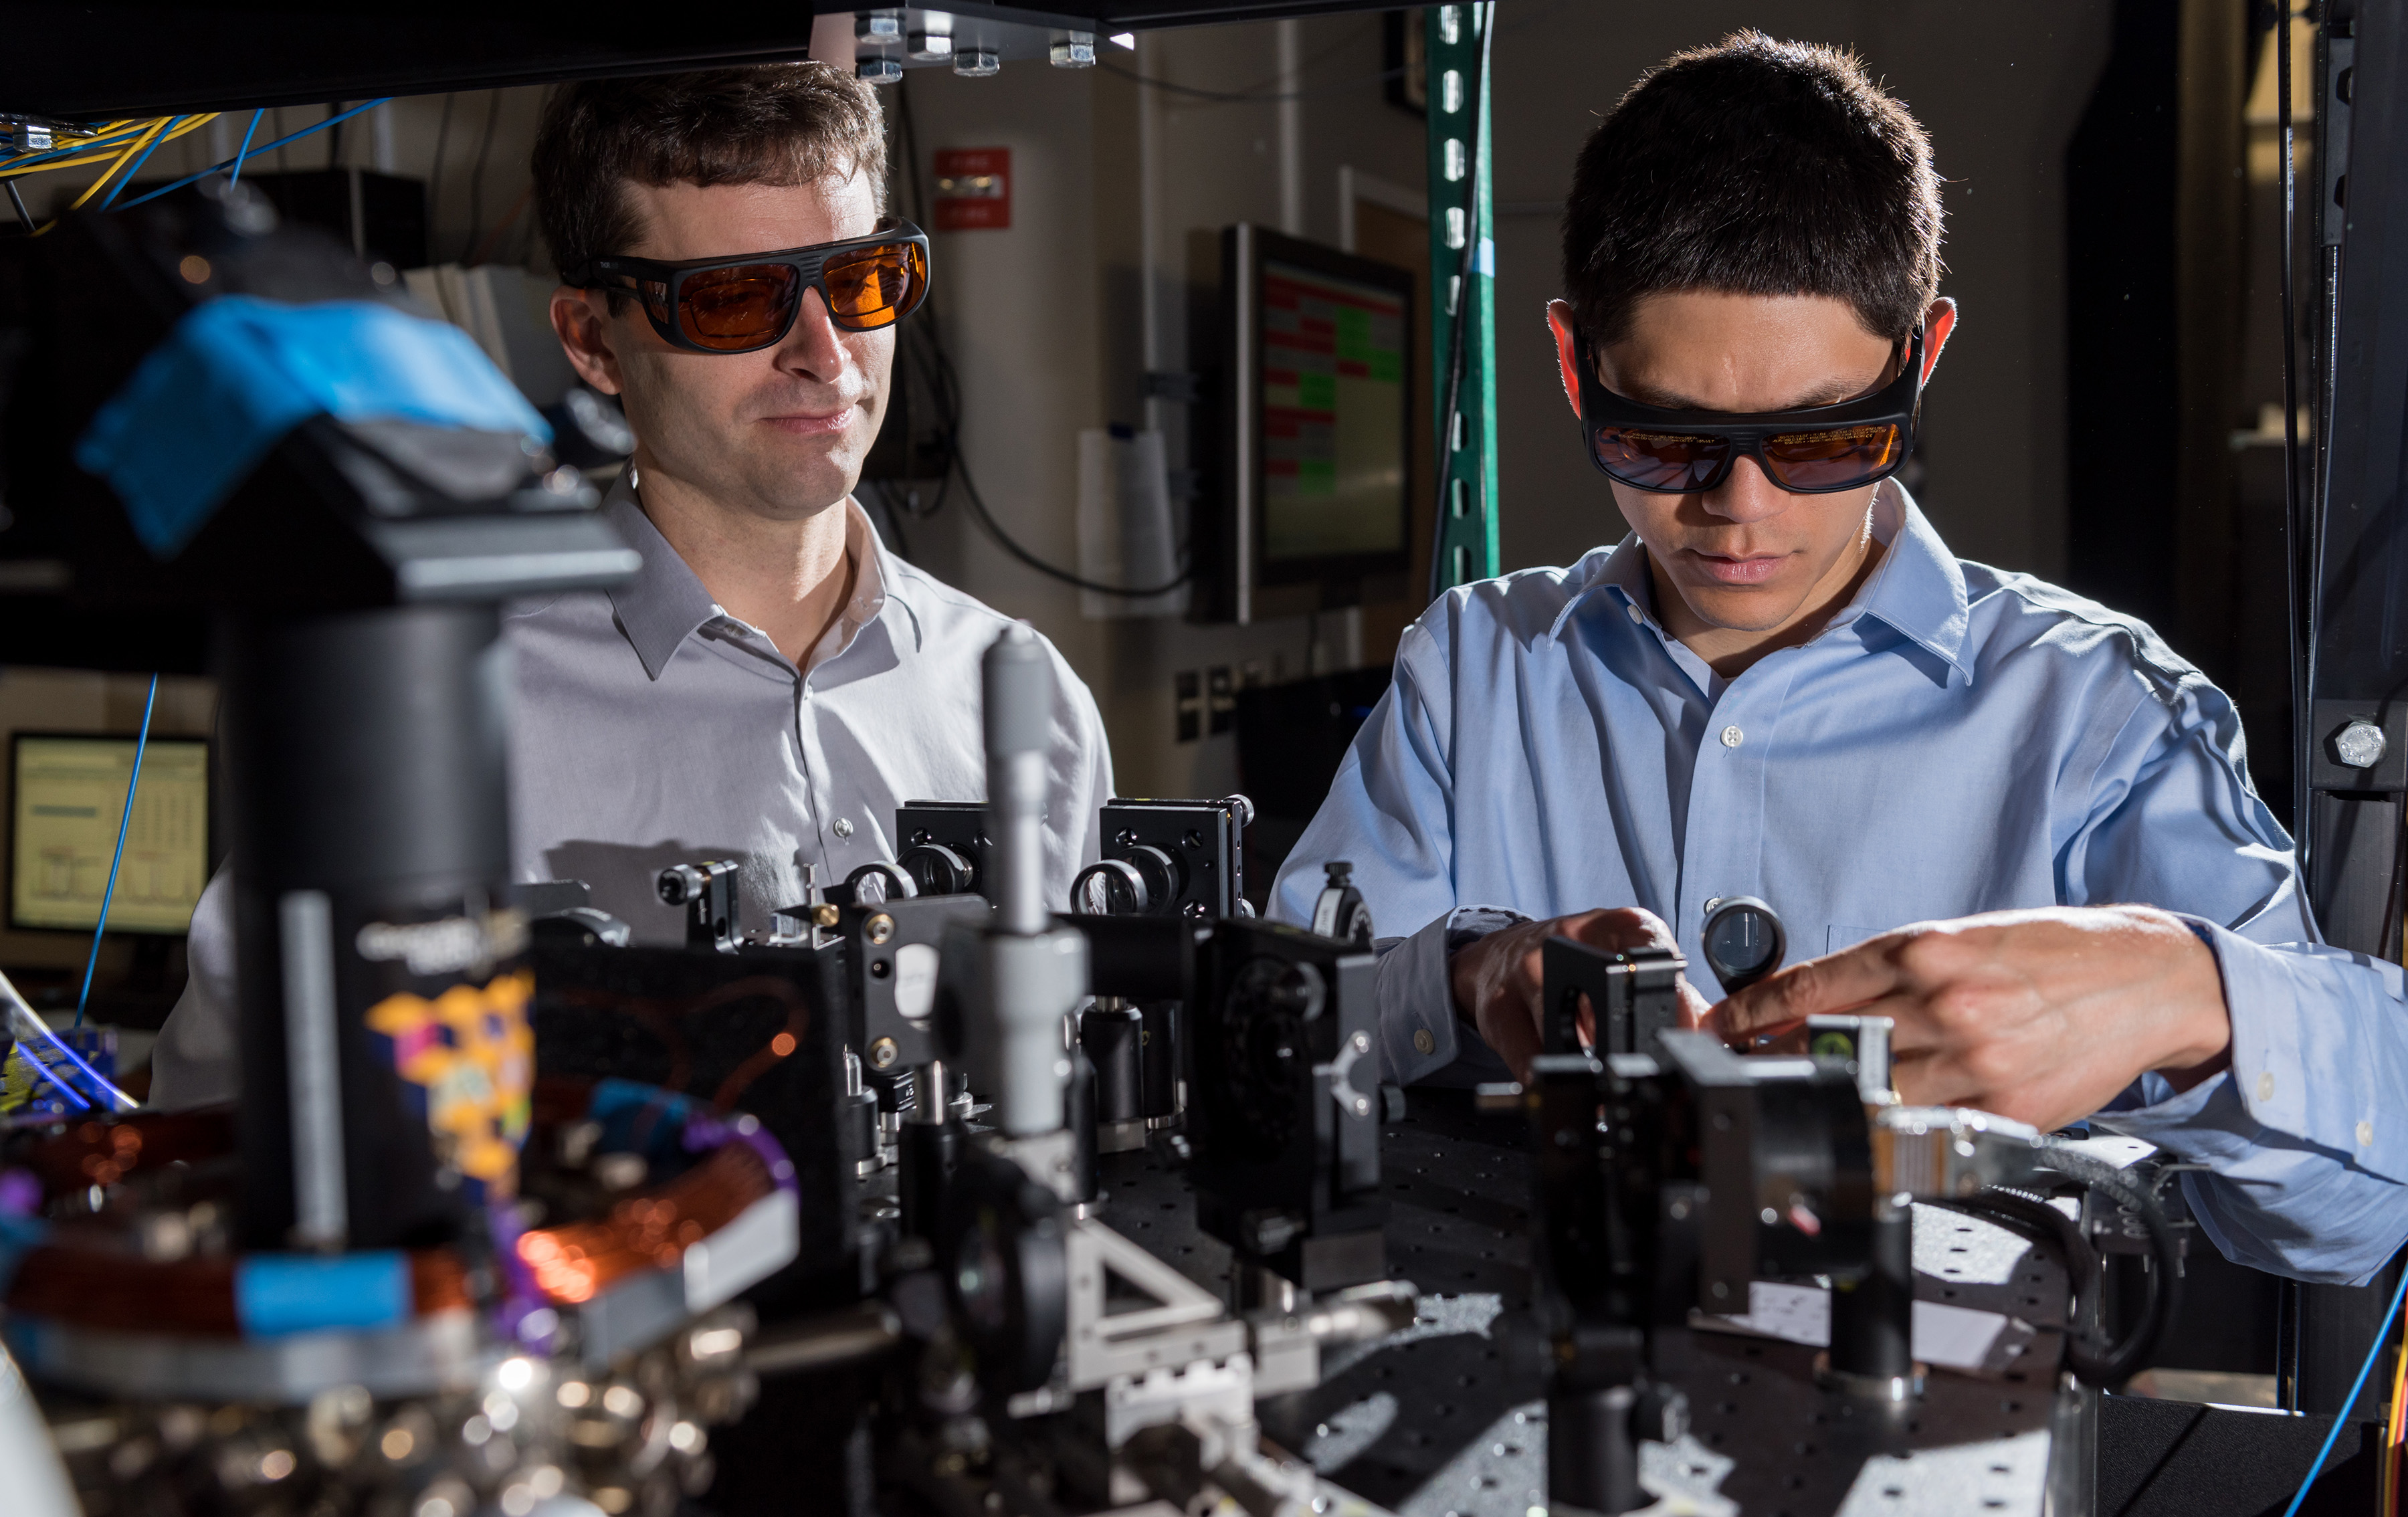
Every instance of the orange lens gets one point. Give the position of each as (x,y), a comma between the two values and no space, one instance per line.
(877,286)
(1832,460)
(1660,462)
(749,305)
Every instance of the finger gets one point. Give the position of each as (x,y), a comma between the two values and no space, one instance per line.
(1787,1041)
(1936,1079)
(1766,1039)
(1510,1026)
(1695,1010)
(1838,982)
(1588,1023)
(1620,929)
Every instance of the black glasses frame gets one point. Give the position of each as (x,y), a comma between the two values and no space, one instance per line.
(809,265)
(1898,404)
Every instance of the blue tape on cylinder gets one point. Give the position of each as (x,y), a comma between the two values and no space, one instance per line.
(240,372)
(277,1295)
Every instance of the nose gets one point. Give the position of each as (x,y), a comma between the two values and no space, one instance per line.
(813,350)
(1747,493)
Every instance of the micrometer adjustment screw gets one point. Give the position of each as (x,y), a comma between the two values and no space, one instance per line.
(2360,744)
(884,1053)
(879,929)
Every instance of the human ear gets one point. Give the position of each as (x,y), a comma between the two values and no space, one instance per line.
(582,318)
(1938,323)
(1559,320)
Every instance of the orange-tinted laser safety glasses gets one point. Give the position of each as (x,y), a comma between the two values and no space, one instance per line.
(1813,451)
(744,303)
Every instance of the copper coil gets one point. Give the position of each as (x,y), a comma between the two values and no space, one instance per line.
(647,1230)
(99,1287)
(93,1153)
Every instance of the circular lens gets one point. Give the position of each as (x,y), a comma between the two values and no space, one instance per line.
(938,871)
(1744,942)
(1839,459)
(729,309)
(1111,888)
(1664,462)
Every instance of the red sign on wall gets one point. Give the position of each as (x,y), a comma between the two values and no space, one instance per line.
(973,189)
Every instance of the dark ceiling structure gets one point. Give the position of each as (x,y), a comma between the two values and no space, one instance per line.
(83,62)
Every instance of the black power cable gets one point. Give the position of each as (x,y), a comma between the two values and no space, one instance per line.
(945,389)
(435,172)
(2301,580)
(476,176)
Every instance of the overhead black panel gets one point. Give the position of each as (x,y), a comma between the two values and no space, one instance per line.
(75,63)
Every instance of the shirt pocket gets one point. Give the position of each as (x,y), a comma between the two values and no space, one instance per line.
(1839,936)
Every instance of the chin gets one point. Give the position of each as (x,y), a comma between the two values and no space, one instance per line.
(1761,610)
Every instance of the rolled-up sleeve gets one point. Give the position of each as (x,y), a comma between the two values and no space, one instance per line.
(2304,1138)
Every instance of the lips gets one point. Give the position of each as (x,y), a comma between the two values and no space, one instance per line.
(804,425)
(1752,569)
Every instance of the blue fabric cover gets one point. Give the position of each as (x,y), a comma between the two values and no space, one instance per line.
(240,372)
(280,1294)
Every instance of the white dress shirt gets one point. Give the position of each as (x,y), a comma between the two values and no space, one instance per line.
(652,728)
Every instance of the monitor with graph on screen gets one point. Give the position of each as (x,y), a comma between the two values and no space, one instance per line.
(1317,512)
(67,796)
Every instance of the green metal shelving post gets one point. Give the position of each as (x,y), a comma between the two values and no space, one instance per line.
(1463,294)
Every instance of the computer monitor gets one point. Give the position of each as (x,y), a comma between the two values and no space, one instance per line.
(65,795)
(1314,512)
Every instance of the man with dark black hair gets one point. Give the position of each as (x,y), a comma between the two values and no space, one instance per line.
(2005,816)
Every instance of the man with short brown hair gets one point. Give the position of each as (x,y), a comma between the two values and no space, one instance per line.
(773,682)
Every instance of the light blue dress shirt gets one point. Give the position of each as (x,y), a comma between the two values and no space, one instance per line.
(1959,739)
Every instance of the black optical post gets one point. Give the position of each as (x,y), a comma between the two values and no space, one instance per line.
(364,754)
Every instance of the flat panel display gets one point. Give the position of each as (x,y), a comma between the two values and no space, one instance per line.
(66,799)
(1335,387)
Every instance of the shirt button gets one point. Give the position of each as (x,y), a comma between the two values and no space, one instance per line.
(1732,737)
(1423,1041)
(2366,1135)
(1636,614)
(843,827)
(2266,1086)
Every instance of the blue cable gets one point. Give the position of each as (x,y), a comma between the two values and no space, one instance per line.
(2372,1355)
(265,147)
(124,818)
(240,153)
(136,167)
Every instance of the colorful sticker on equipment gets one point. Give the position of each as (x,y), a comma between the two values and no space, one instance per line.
(472,1052)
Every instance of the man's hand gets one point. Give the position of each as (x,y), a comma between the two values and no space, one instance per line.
(2042,1016)
(1500,989)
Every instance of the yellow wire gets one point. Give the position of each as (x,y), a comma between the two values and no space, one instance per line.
(133,152)
(2389,1496)
(85,158)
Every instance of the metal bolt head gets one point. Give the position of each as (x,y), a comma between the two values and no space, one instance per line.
(879,929)
(1662,1414)
(878,26)
(884,1053)
(879,70)
(2360,745)
(1076,49)
(977,62)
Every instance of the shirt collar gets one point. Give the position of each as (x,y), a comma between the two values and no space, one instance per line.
(1918,591)
(664,604)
